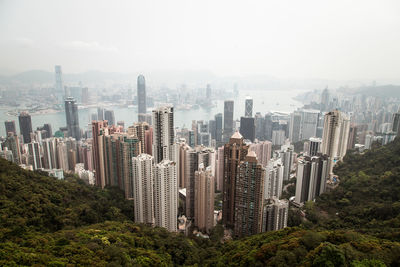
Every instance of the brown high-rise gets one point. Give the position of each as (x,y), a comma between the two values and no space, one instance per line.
(249,195)
(234,152)
(99,131)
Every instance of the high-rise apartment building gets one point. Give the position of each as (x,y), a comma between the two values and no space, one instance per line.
(249,195)
(163,134)
(50,153)
(312,174)
(309,123)
(35,158)
(263,151)
(235,151)
(314,146)
(25,126)
(195,157)
(335,136)
(71,113)
(286,154)
(166,195)
(141,94)
(99,131)
(275,214)
(228,120)
(273,179)
(12,143)
(219,168)
(204,198)
(143,178)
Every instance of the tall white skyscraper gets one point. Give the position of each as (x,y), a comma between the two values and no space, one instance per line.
(286,155)
(294,127)
(166,195)
(309,123)
(143,178)
(163,134)
(335,136)
(59,87)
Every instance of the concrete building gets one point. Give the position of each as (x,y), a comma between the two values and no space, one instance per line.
(166,195)
(249,195)
(312,175)
(275,214)
(263,151)
(10,127)
(25,126)
(71,113)
(335,136)
(228,120)
(141,94)
(163,134)
(273,183)
(248,128)
(235,151)
(143,198)
(204,198)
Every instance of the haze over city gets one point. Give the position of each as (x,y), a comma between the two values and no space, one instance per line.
(335,40)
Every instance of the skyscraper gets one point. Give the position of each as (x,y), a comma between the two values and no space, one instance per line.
(208,92)
(294,128)
(335,136)
(143,178)
(315,146)
(141,94)
(194,158)
(248,111)
(249,195)
(166,195)
(59,88)
(228,119)
(275,214)
(163,134)
(50,153)
(396,123)
(235,151)
(286,154)
(248,128)
(100,114)
(309,123)
(312,174)
(219,168)
(34,155)
(324,100)
(204,198)
(99,131)
(25,126)
(109,116)
(218,129)
(12,143)
(273,179)
(10,127)
(71,113)
(263,151)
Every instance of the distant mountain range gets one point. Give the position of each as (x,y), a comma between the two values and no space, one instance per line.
(174,79)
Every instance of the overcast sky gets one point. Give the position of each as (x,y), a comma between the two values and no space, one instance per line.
(299,39)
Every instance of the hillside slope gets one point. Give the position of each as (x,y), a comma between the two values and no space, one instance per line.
(30,201)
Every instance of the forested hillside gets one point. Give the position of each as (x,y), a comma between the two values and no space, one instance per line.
(368,196)
(48,222)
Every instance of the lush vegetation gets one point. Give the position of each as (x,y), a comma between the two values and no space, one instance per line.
(368,195)
(47,222)
(31,201)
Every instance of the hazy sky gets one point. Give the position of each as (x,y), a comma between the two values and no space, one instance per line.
(300,39)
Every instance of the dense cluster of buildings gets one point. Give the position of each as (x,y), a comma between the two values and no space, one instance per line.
(247,162)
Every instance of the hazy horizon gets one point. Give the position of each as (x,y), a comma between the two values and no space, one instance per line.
(340,40)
